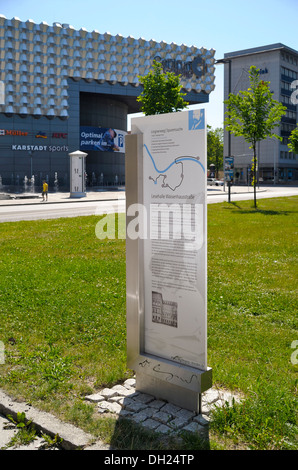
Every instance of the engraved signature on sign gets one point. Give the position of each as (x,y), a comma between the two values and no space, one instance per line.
(169,375)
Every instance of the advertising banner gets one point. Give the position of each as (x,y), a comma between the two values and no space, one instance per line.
(174,236)
(229,168)
(102,139)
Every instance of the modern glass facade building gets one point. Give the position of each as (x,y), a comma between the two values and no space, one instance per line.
(278,64)
(63,90)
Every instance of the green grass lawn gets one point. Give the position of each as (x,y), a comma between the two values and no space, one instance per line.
(62,318)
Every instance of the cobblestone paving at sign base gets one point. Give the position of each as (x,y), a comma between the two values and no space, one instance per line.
(158,415)
(121,401)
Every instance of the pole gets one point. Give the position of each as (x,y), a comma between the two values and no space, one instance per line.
(255,175)
(31,163)
(229,62)
(224,180)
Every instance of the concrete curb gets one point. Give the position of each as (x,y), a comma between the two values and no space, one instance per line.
(73,437)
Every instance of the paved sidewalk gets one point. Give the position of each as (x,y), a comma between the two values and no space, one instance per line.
(11,199)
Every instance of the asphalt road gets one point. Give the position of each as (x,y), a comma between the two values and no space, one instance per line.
(57,210)
(242,193)
(96,204)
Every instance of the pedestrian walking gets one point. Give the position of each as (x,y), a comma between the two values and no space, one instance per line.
(45,188)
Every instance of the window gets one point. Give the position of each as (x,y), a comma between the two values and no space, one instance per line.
(291,59)
(286,99)
(286,85)
(290,114)
(287,127)
(289,73)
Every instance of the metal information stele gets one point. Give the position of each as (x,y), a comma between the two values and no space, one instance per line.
(166,256)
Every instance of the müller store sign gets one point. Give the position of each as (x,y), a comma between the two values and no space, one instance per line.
(13,132)
(18,133)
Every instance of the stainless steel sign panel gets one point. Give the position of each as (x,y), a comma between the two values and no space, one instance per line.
(166,264)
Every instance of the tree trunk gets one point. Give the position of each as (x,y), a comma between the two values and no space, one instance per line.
(255,175)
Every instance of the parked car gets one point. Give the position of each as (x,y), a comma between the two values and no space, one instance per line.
(214,182)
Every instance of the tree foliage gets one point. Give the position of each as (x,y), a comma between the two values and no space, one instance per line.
(215,147)
(162,92)
(254,115)
(293,141)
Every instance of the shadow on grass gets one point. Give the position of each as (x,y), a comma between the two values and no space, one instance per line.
(129,435)
(144,430)
(256,210)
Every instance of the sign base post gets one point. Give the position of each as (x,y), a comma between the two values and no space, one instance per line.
(177,384)
(168,392)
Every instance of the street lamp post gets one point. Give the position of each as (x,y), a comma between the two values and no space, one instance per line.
(31,163)
(227,61)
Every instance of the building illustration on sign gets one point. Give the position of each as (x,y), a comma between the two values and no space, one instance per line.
(164,311)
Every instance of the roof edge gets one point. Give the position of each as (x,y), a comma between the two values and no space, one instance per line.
(259,50)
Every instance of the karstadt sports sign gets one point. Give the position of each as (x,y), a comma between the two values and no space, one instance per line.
(40,148)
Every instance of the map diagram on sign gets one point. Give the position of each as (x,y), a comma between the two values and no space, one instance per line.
(172,176)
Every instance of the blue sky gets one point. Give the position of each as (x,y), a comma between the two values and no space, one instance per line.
(224,25)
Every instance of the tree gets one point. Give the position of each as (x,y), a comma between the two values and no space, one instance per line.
(162,92)
(215,147)
(253,115)
(293,141)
